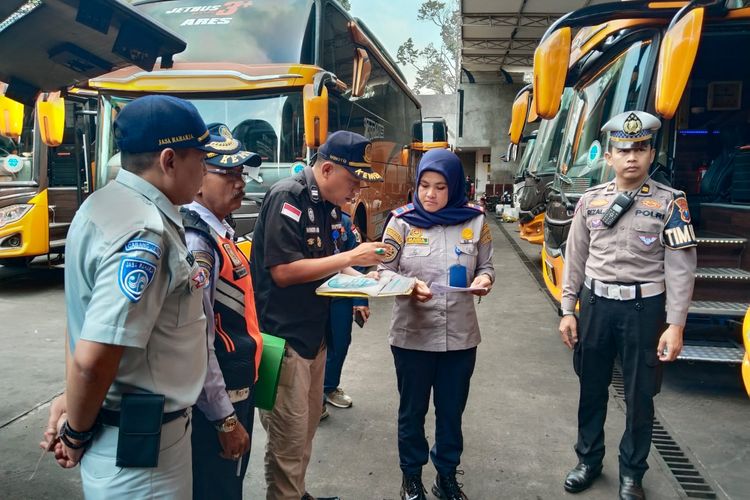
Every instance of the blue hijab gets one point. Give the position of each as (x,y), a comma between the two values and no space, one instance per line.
(455,211)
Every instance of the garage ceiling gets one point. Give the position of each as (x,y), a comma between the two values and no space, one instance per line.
(502,34)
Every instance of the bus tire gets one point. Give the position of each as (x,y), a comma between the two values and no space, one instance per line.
(16,262)
(360,220)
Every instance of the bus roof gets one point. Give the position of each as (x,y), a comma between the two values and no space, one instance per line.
(56,43)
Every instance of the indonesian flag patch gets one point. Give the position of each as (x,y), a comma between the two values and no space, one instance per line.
(291,211)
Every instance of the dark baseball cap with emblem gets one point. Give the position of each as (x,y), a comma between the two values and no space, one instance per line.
(353,152)
(231,160)
(156,122)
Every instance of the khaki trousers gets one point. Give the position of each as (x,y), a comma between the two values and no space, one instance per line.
(292,423)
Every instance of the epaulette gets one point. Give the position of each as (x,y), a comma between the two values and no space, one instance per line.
(676,193)
(474,206)
(398,212)
(191,220)
(597,187)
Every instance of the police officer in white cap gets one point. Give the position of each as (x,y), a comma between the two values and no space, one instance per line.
(630,256)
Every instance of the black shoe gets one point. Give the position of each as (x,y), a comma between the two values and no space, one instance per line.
(447,488)
(581,477)
(631,489)
(308,496)
(412,488)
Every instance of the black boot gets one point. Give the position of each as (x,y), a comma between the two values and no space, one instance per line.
(412,488)
(631,488)
(447,488)
(581,477)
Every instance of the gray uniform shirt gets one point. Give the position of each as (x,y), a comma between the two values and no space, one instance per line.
(129,281)
(652,242)
(448,322)
(213,401)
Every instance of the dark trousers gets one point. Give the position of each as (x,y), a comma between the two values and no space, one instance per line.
(447,375)
(215,477)
(630,329)
(341,337)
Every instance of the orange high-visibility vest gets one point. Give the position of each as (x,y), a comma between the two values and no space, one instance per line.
(238,344)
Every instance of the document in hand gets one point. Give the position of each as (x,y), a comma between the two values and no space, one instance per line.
(343,285)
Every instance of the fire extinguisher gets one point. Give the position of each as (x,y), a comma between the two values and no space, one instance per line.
(700,173)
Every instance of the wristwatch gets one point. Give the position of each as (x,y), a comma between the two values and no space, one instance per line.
(565,312)
(228,424)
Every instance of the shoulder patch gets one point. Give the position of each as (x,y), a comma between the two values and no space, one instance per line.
(486,235)
(357,236)
(134,277)
(138,245)
(291,211)
(398,212)
(478,208)
(391,250)
(678,231)
(391,233)
(205,260)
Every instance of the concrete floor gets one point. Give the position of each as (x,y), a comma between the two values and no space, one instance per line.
(519,426)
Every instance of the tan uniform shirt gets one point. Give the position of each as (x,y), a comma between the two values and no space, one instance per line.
(447,322)
(652,242)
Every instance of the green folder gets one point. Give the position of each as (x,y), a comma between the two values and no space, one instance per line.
(269,371)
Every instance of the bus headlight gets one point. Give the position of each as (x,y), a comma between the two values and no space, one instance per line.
(13,213)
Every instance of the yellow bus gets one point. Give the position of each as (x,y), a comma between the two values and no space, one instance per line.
(46,136)
(430,133)
(280,74)
(678,60)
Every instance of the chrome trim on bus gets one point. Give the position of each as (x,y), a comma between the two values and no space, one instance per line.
(192,73)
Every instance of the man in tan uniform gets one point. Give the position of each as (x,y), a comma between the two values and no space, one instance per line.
(625,272)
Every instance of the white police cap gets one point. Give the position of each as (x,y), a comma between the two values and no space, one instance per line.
(631,129)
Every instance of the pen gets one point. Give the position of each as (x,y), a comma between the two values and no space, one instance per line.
(239,467)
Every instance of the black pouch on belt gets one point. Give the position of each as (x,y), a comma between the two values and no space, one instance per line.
(140,430)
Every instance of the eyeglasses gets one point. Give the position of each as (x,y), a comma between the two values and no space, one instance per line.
(237,174)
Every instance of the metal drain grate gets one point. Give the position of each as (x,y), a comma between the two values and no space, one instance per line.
(679,463)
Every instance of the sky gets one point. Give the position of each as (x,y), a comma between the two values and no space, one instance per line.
(393,22)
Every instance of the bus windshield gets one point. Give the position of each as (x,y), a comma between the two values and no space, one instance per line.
(544,157)
(270,125)
(526,157)
(246,32)
(621,86)
(17,154)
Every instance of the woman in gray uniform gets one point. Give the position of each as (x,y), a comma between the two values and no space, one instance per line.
(440,239)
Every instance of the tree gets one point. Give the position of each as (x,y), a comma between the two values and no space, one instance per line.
(437,66)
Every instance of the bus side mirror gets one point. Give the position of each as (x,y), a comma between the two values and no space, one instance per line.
(316,115)
(532,112)
(362,68)
(551,61)
(405,156)
(11,115)
(50,114)
(519,115)
(676,57)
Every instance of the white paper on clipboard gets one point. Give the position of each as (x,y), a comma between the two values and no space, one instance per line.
(440,288)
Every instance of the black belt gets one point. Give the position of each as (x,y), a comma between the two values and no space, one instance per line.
(112,417)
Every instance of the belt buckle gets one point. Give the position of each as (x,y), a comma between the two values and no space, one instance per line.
(614,292)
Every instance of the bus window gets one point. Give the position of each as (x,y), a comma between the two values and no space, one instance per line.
(16,154)
(611,92)
(337,51)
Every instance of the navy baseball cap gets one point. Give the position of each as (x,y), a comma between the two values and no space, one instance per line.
(156,122)
(239,157)
(353,152)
